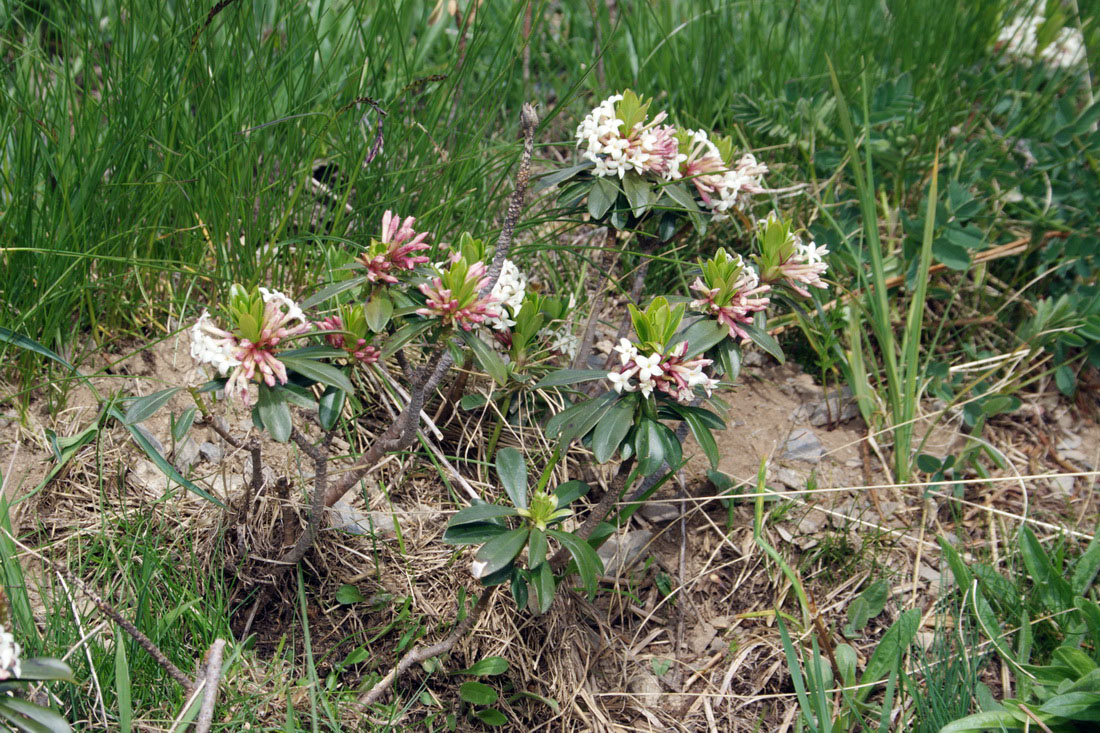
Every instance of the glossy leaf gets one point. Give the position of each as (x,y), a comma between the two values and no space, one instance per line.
(45,668)
(764,340)
(570,491)
(473,533)
(318,372)
(274,412)
(702,335)
(542,578)
(404,335)
(563,377)
(611,430)
(330,407)
(27,716)
(601,197)
(703,437)
(487,357)
(182,424)
(589,565)
(378,311)
(347,594)
(536,548)
(512,472)
(331,290)
(639,193)
(480,513)
(160,462)
(491,717)
(499,552)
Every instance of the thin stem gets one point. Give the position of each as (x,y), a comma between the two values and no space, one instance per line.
(210,691)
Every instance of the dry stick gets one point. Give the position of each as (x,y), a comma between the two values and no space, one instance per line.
(143,641)
(210,693)
(598,513)
(424,653)
(607,262)
(403,430)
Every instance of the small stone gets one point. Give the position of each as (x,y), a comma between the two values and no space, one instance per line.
(185,456)
(1070,442)
(753,358)
(660,512)
(620,552)
(790,478)
(211,452)
(701,637)
(1079,458)
(835,409)
(345,517)
(1062,485)
(805,385)
(150,437)
(803,445)
(648,689)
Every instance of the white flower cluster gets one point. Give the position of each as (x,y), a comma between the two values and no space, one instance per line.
(9,656)
(1020,39)
(561,340)
(288,307)
(647,148)
(812,254)
(720,186)
(212,345)
(509,291)
(659,372)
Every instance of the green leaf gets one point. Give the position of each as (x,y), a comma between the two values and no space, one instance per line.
(45,668)
(347,594)
(589,565)
(887,655)
(512,472)
(477,693)
(536,548)
(519,590)
(406,334)
(378,311)
(159,461)
(601,196)
(1086,567)
(611,430)
(577,420)
(318,372)
(553,179)
(487,357)
(702,335)
(1054,591)
(473,533)
(488,667)
(562,377)
(274,413)
(1066,380)
(981,722)
(499,552)
(678,193)
(18,339)
(570,491)
(481,513)
(648,446)
(122,685)
(542,578)
(31,718)
(145,407)
(182,424)
(703,437)
(491,716)
(330,290)
(1074,706)
(472,401)
(639,193)
(764,340)
(330,406)
(951,255)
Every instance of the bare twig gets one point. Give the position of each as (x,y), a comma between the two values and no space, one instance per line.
(210,693)
(143,641)
(423,653)
(319,454)
(598,513)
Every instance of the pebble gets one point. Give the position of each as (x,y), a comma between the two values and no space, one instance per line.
(790,478)
(187,453)
(1062,485)
(211,452)
(347,518)
(620,552)
(803,445)
(660,512)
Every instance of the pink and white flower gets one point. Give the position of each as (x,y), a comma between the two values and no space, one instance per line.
(395,251)
(455,297)
(669,373)
(805,267)
(357,348)
(747,298)
(649,147)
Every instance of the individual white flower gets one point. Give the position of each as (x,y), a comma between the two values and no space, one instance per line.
(626,351)
(562,340)
(212,345)
(649,367)
(9,656)
(812,253)
(291,311)
(510,289)
(620,380)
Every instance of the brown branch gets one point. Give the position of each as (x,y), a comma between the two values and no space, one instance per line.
(597,513)
(423,653)
(108,610)
(210,691)
(319,454)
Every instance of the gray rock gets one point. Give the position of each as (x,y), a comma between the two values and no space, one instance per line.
(1062,485)
(211,452)
(790,478)
(660,512)
(803,445)
(1070,442)
(347,518)
(150,437)
(187,453)
(621,551)
(753,358)
(834,409)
